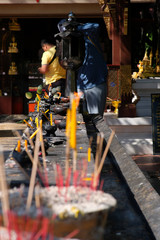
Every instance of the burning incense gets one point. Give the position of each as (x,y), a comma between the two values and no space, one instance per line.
(51,119)
(30,139)
(34,133)
(89,149)
(19,146)
(38,97)
(26,144)
(89,154)
(36,122)
(68,125)
(38,106)
(22,169)
(44,113)
(73,125)
(29,125)
(73,133)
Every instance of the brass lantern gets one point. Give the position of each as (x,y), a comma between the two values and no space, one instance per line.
(70,49)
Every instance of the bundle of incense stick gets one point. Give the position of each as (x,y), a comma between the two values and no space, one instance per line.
(71,126)
(99,162)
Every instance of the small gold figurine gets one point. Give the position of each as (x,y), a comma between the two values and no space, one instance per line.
(13,46)
(140,67)
(13,69)
(157,62)
(139,73)
(14,25)
(147,68)
(116,105)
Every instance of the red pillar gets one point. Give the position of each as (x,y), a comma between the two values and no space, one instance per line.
(121,51)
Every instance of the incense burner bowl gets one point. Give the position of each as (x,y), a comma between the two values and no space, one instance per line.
(63,209)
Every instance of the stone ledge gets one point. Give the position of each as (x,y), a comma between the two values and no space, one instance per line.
(145,195)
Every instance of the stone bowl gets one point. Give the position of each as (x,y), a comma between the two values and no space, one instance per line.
(66,209)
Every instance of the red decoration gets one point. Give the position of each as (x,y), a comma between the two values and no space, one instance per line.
(37,1)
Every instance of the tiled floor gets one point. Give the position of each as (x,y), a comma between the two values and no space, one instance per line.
(148,163)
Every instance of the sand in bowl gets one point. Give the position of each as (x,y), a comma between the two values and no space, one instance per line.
(60,211)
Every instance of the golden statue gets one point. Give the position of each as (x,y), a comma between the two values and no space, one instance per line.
(115,104)
(13,46)
(140,67)
(12,69)
(139,73)
(14,25)
(147,68)
(157,62)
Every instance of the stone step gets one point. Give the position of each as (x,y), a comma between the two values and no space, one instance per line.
(130,129)
(112,119)
(134,134)
(137,146)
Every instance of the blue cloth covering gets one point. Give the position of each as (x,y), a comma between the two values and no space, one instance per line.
(94,68)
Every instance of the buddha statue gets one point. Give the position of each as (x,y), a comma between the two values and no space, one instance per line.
(13,69)
(13,46)
(148,71)
(14,25)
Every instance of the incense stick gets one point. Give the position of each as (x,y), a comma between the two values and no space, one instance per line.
(28,153)
(74,160)
(42,147)
(98,167)
(37,196)
(30,140)
(72,234)
(105,152)
(100,147)
(55,171)
(43,154)
(3,185)
(22,169)
(97,154)
(33,174)
(31,158)
(67,157)
(85,163)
